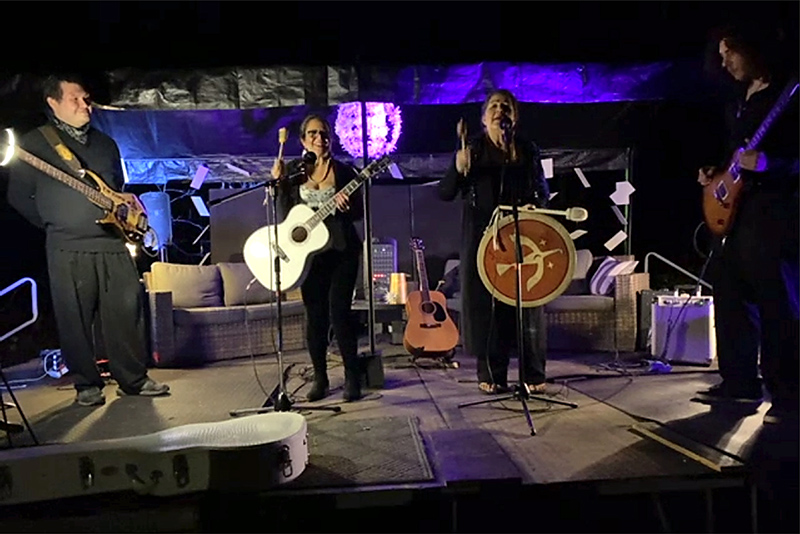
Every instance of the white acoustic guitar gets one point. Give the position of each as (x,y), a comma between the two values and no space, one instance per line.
(301,235)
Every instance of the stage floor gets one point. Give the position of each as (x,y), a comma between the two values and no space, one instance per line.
(632,434)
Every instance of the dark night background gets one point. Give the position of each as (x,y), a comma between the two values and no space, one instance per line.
(671,138)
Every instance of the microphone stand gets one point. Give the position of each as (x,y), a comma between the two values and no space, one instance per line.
(279,400)
(520,392)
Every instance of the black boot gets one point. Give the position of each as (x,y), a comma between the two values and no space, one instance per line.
(352,380)
(320,388)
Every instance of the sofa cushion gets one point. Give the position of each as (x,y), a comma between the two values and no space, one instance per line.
(192,286)
(602,282)
(235,280)
(220,315)
(580,280)
(580,303)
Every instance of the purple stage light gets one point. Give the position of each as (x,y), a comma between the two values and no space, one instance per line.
(384,122)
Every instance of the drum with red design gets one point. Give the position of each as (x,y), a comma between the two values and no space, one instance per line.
(548,259)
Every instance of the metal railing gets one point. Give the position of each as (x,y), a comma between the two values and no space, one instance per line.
(674,266)
(34,305)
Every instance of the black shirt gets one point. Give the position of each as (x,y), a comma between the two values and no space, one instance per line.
(781,143)
(67,216)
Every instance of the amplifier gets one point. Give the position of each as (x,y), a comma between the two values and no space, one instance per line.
(644,310)
(689,326)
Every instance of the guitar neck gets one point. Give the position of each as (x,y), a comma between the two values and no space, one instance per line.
(329,207)
(776,110)
(92,194)
(423,276)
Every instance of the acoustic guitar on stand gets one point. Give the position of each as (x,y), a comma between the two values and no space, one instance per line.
(429,329)
(722,195)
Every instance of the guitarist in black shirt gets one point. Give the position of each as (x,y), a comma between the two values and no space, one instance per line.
(92,275)
(755,275)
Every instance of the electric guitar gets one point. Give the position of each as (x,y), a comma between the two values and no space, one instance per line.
(429,329)
(301,235)
(722,195)
(122,210)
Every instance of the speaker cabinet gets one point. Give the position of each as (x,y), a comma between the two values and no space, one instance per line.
(685,325)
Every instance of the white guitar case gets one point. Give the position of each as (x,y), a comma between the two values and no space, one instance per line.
(248,454)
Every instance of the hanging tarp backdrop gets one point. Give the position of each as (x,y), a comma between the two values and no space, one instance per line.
(172,124)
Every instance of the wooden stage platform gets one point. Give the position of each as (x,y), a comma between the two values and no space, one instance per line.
(637,454)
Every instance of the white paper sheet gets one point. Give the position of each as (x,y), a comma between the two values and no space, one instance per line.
(621,196)
(612,243)
(577,233)
(547,167)
(622,220)
(394,170)
(582,177)
(200,206)
(199,177)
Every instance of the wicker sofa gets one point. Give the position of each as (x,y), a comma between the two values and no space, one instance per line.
(579,320)
(205,313)
(582,320)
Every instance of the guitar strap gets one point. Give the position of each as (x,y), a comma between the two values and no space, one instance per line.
(61,149)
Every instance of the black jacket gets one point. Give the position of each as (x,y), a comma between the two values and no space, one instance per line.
(341,225)
(66,215)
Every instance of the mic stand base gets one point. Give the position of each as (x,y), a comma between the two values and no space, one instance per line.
(523,396)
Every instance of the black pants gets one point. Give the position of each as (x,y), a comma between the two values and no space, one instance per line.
(90,286)
(495,354)
(328,296)
(756,298)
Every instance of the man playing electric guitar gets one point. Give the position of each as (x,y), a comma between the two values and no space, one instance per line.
(756,265)
(91,273)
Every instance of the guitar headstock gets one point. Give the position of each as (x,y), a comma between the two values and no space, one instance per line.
(376,167)
(416,244)
(7,148)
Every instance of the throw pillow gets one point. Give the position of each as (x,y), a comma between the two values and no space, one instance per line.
(192,286)
(235,280)
(602,283)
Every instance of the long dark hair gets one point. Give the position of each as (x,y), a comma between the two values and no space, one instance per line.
(765,48)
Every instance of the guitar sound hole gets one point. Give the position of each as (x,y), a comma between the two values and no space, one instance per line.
(428,307)
(299,234)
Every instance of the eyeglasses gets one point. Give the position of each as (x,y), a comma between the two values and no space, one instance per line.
(318,133)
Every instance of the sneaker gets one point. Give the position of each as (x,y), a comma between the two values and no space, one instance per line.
(150,388)
(90,397)
(722,393)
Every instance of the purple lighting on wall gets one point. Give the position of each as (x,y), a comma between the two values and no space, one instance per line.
(384,123)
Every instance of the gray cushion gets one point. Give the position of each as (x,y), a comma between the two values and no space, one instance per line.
(236,278)
(224,315)
(192,286)
(579,303)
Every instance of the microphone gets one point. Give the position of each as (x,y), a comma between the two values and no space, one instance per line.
(298,168)
(577,214)
(505,123)
(294,170)
(572,214)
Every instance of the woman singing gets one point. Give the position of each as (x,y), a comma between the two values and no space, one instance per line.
(497,167)
(328,288)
